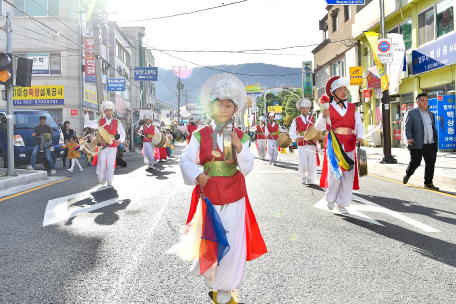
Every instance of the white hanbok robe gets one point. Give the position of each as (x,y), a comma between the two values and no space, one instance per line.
(273,146)
(149,148)
(307,155)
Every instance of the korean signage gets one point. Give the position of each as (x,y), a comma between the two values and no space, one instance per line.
(90,69)
(397,134)
(89,46)
(434,55)
(367,93)
(116,84)
(372,37)
(356,76)
(74,112)
(275,109)
(444,109)
(372,80)
(385,50)
(39,95)
(90,99)
(40,63)
(120,105)
(307,85)
(345,2)
(145,74)
(254,89)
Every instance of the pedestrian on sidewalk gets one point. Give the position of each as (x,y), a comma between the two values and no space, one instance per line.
(73,154)
(45,136)
(422,141)
(220,261)
(67,133)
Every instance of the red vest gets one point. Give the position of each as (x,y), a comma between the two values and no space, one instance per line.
(261,130)
(221,190)
(191,129)
(347,121)
(301,126)
(273,130)
(112,129)
(148,131)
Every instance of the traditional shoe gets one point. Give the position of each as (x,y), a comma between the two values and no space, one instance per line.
(431,186)
(70,170)
(331,205)
(102,181)
(109,184)
(304,181)
(405,179)
(223,297)
(270,162)
(342,210)
(80,169)
(209,282)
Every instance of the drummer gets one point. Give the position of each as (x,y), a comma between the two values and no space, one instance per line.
(192,127)
(348,128)
(148,130)
(107,156)
(272,133)
(307,161)
(261,139)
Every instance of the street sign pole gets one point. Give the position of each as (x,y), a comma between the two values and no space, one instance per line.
(9,102)
(387,157)
(132,134)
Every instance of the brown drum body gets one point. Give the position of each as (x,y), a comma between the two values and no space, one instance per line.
(312,134)
(159,140)
(362,162)
(284,140)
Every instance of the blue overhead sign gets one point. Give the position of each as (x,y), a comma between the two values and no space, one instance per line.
(345,2)
(434,55)
(116,84)
(145,74)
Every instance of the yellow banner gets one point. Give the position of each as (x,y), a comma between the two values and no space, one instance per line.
(275,109)
(253,89)
(356,76)
(39,95)
(246,120)
(372,37)
(90,96)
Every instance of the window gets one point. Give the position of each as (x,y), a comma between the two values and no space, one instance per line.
(338,68)
(37,7)
(122,54)
(334,21)
(56,63)
(406,30)
(436,21)
(347,12)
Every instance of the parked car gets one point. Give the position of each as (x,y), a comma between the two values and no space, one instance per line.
(24,123)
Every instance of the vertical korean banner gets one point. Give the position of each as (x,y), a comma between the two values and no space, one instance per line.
(307,85)
(372,37)
(90,69)
(396,67)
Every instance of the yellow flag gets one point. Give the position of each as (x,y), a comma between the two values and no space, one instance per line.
(372,37)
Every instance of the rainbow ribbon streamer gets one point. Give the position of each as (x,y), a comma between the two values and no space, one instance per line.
(337,157)
(204,237)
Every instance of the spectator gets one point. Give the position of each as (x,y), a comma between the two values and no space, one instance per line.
(422,141)
(120,156)
(67,133)
(73,154)
(44,134)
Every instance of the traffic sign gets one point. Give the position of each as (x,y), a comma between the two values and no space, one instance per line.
(116,84)
(384,50)
(145,74)
(345,2)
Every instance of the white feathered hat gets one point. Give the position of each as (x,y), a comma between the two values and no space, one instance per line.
(262,119)
(271,114)
(220,87)
(108,105)
(303,103)
(147,116)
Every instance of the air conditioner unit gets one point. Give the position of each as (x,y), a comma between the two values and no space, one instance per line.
(373,137)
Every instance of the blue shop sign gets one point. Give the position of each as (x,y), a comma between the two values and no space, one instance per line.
(444,110)
(435,55)
(116,84)
(145,74)
(345,2)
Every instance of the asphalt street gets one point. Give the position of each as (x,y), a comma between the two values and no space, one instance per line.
(63,244)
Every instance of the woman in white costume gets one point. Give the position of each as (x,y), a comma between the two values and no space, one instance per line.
(307,161)
(272,133)
(107,157)
(222,96)
(261,137)
(148,130)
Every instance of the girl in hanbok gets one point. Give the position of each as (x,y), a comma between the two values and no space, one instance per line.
(221,231)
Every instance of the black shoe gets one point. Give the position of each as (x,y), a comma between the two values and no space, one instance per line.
(405,179)
(431,186)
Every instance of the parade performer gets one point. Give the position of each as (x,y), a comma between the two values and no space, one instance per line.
(307,161)
(169,137)
(148,131)
(163,151)
(340,173)
(261,138)
(222,232)
(106,159)
(272,132)
(192,127)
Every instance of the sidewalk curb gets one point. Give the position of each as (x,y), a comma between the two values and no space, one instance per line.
(30,177)
(447,181)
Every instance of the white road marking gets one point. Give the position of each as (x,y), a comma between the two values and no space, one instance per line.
(57,209)
(277,172)
(353,211)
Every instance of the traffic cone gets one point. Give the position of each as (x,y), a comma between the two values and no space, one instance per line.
(283,150)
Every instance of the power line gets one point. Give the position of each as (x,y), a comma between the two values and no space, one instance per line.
(56,18)
(182,14)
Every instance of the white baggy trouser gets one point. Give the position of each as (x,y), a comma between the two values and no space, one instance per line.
(307,162)
(149,152)
(341,190)
(273,149)
(261,148)
(105,164)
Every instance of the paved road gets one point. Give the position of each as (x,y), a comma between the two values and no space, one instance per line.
(399,246)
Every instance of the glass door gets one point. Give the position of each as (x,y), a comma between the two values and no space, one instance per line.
(396,124)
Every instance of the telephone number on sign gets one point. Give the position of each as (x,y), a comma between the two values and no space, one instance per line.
(38,102)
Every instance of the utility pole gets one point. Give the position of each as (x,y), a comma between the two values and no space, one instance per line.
(9,101)
(387,157)
(180,87)
(132,134)
(96,41)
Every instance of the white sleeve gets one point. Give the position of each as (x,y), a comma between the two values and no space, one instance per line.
(359,126)
(182,128)
(141,129)
(188,160)
(266,132)
(93,124)
(293,134)
(121,131)
(320,124)
(156,130)
(245,159)
(282,130)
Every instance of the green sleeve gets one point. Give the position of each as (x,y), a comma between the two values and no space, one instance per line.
(245,138)
(197,136)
